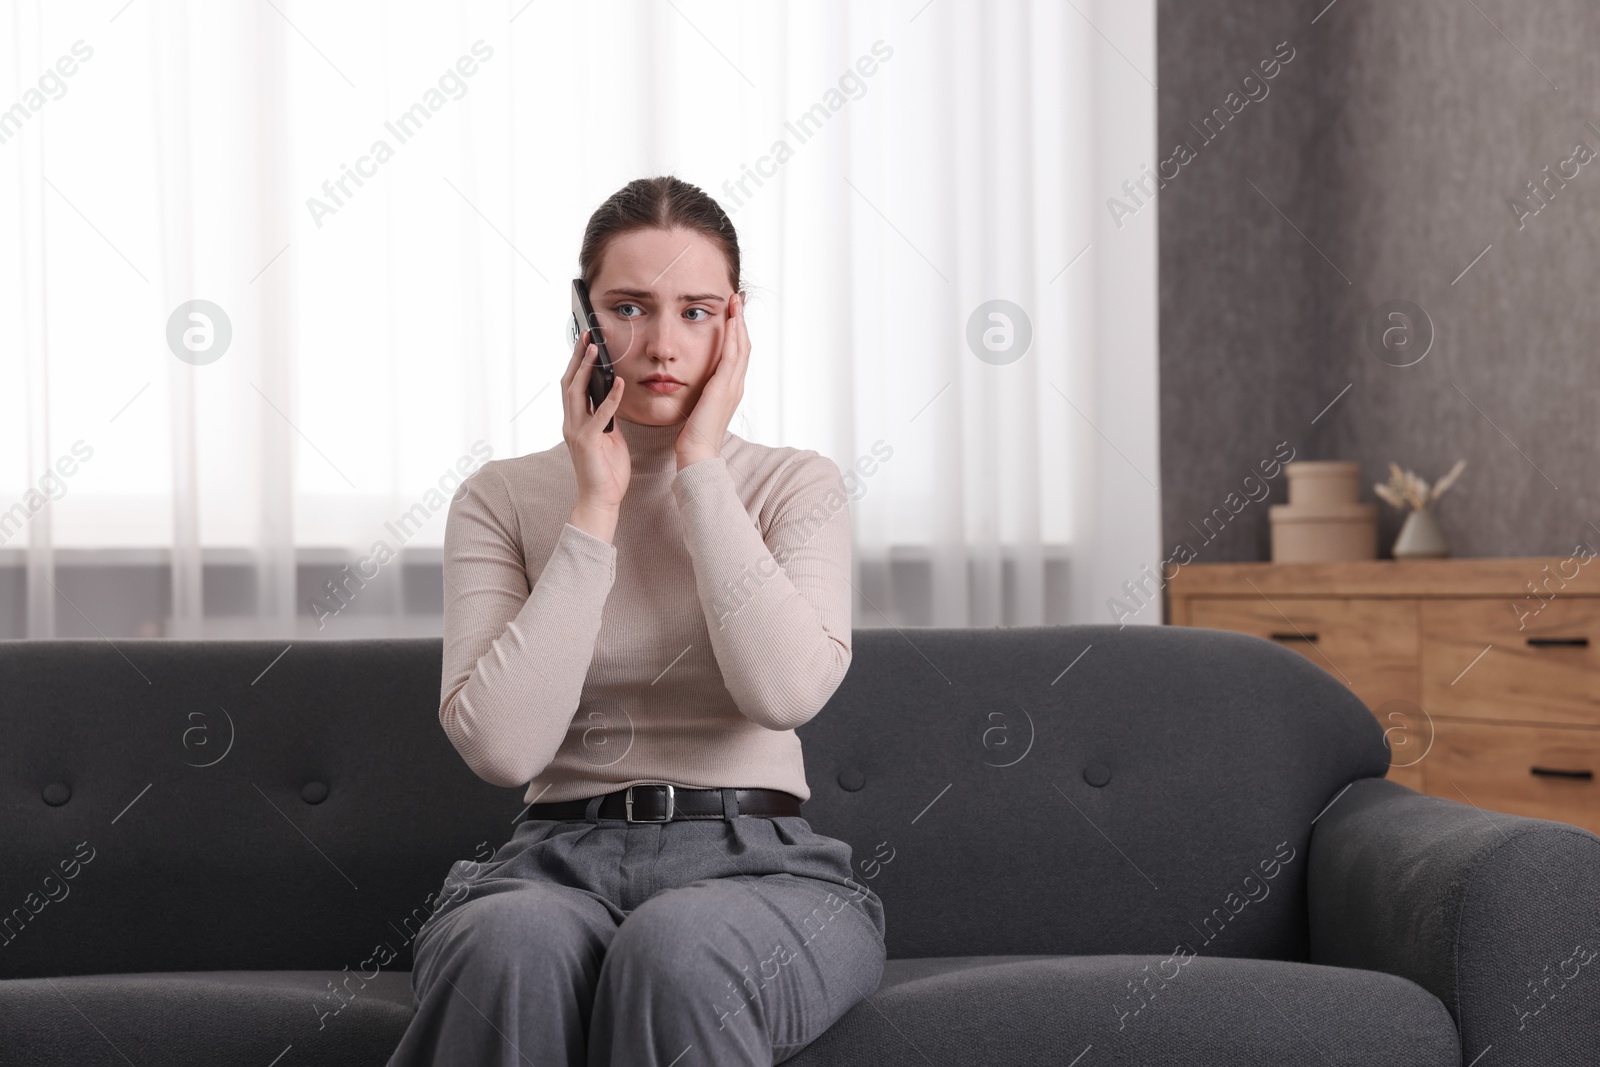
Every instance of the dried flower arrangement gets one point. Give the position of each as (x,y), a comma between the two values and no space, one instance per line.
(1404,489)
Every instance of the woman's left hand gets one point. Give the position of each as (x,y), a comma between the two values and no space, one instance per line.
(701,436)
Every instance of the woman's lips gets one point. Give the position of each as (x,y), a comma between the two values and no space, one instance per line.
(659,386)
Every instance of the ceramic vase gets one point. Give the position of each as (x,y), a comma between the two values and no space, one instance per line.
(1421,538)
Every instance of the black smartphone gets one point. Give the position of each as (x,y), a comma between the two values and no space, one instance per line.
(583,318)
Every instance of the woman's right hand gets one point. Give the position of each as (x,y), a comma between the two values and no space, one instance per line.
(599,459)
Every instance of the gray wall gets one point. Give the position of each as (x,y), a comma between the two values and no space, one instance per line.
(1395,140)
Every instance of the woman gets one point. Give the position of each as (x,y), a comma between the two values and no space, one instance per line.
(657,607)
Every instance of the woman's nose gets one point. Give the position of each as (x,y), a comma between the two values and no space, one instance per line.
(660,340)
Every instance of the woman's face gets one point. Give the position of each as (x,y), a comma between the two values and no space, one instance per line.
(662,300)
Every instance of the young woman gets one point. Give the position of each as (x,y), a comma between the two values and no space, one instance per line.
(635,623)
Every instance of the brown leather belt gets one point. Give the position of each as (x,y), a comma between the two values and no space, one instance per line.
(661,802)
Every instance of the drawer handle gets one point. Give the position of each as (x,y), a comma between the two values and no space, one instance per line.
(1551,772)
(1558,642)
(1297,637)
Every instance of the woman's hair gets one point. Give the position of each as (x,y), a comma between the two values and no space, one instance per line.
(658,203)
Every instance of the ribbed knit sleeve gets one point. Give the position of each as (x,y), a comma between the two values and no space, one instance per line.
(777,605)
(514,660)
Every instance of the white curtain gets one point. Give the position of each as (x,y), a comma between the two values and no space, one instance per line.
(382,205)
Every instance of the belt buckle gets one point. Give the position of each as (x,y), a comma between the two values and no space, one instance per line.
(627,803)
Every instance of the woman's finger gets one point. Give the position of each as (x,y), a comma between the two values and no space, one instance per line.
(572,364)
(570,375)
(578,389)
(575,391)
(609,405)
(738,343)
(730,337)
(744,333)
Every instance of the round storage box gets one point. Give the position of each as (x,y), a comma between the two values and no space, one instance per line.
(1323,533)
(1323,481)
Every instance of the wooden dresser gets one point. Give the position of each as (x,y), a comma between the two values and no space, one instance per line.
(1485,673)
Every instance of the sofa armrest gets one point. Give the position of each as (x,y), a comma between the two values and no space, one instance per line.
(1496,915)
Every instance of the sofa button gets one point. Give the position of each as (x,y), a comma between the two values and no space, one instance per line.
(57,794)
(852,779)
(314,792)
(1097,774)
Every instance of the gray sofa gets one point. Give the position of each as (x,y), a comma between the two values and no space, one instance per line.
(1094,846)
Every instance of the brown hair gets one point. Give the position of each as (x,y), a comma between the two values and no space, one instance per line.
(658,203)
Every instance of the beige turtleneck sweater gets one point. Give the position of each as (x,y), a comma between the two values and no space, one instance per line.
(685,650)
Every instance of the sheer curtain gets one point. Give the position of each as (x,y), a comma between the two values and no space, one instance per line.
(275,275)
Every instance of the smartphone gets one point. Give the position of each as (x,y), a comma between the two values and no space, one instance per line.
(583,318)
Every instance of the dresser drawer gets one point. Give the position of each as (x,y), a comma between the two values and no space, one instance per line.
(1477,663)
(1547,772)
(1369,644)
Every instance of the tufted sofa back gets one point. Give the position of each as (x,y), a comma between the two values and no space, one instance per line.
(227,805)
(1085,790)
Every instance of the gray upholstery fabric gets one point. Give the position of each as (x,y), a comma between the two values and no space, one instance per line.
(1493,914)
(1003,1010)
(1237,1013)
(976,752)
(195,1019)
(1156,799)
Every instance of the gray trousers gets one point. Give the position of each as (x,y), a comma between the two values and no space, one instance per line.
(588,943)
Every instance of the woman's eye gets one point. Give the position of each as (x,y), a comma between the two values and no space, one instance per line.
(619,307)
(702,311)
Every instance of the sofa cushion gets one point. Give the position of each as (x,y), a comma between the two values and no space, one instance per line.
(204,1019)
(1007,1011)
(1012,1011)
